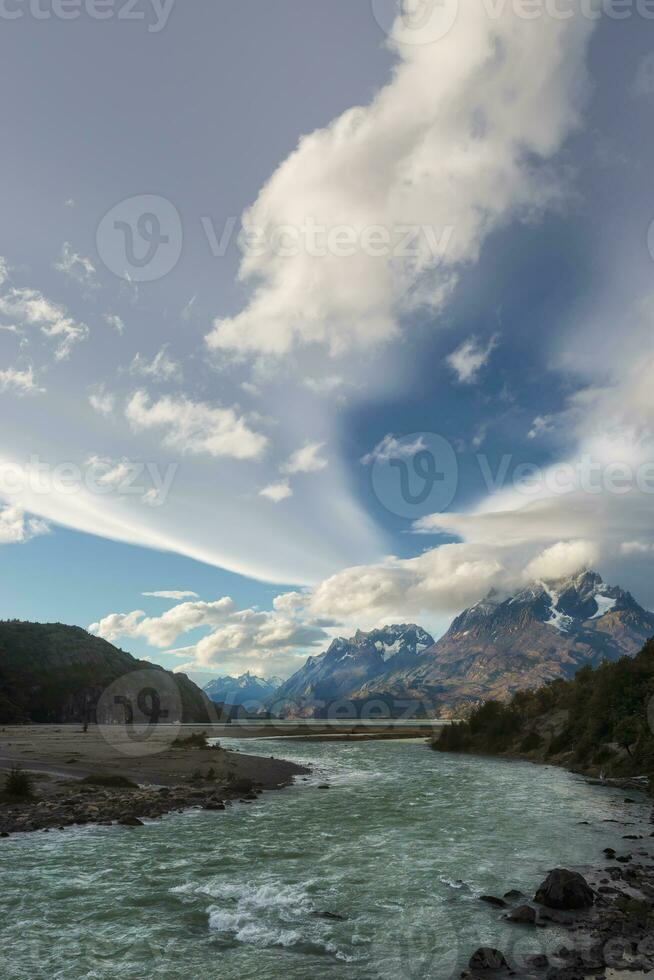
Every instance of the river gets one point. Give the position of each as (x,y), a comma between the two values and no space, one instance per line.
(401,846)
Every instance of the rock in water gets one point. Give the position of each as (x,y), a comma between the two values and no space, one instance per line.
(524,914)
(487,958)
(563,889)
(493,900)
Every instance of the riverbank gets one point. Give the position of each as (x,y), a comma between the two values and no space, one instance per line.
(93,777)
(608,911)
(612,931)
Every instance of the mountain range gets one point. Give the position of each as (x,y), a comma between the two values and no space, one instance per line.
(498,646)
(239,690)
(503,644)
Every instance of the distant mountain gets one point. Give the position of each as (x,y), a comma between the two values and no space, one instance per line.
(239,690)
(349,664)
(502,645)
(498,646)
(56,673)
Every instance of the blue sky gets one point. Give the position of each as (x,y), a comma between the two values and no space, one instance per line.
(233,421)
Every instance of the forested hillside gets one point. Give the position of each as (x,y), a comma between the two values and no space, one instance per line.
(599,722)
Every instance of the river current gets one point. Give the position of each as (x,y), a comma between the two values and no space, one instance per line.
(400,849)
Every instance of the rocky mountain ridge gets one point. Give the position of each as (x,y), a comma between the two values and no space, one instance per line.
(496,647)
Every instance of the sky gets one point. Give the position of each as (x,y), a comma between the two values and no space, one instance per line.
(320,316)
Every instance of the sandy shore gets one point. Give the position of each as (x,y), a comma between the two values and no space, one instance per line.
(67,750)
(151,776)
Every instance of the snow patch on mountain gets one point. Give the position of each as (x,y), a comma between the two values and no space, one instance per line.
(557,619)
(605,604)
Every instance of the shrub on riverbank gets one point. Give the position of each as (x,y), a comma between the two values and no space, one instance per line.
(18,785)
(596,721)
(198,740)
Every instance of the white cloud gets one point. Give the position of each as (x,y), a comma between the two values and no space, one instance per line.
(173,594)
(25,308)
(115,322)
(326,385)
(110,473)
(541,425)
(196,427)
(277,492)
(391,448)
(630,548)
(76,267)
(451,145)
(562,560)
(161,368)
(19,382)
(101,400)
(161,631)
(441,581)
(17,528)
(468,359)
(306,460)
(4,270)
(237,635)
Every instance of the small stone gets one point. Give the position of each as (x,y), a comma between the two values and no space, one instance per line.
(538,961)
(524,915)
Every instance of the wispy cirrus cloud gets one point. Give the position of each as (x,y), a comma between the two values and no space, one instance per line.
(468,360)
(77,268)
(162,367)
(24,309)
(20,382)
(16,527)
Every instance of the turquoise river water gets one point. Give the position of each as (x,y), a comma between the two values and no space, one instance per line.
(401,846)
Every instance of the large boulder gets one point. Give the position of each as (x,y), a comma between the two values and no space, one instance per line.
(563,889)
(487,958)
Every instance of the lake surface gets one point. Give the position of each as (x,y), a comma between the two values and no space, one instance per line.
(402,845)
